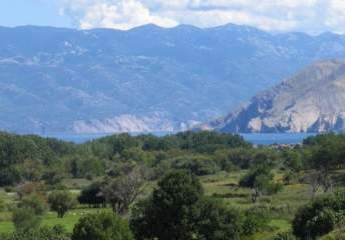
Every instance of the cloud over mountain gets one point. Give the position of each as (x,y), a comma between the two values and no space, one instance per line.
(311,16)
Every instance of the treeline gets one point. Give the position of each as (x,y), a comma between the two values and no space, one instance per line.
(32,158)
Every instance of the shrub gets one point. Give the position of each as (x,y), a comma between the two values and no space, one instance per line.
(103,226)
(34,202)
(256,219)
(28,213)
(25,219)
(284,236)
(45,233)
(320,216)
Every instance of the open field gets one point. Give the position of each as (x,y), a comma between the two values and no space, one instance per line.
(281,207)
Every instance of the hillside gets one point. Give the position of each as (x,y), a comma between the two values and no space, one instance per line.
(311,101)
(145,79)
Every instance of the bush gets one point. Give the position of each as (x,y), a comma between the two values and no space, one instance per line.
(45,233)
(319,217)
(28,213)
(34,202)
(25,219)
(103,226)
(284,236)
(256,219)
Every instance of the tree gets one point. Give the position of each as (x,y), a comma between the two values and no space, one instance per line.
(102,226)
(53,175)
(122,191)
(61,202)
(92,195)
(260,180)
(320,216)
(177,210)
(196,164)
(216,221)
(9,176)
(171,209)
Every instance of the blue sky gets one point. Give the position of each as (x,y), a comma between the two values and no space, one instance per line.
(32,12)
(312,16)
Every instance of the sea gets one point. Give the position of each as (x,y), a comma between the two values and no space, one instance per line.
(254,138)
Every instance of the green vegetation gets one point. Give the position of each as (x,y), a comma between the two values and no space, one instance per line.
(102,226)
(202,185)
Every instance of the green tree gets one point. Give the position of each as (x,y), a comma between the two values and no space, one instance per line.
(260,180)
(216,221)
(320,216)
(171,209)
(92,195)
(61,202)
(102,226)
(122,191)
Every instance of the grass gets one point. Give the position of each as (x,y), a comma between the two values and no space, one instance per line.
(281,206)
(51,219)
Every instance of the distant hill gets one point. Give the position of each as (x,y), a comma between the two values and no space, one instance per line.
(311,101)
(145,79)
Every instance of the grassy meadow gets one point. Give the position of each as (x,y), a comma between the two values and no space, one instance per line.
(281,206)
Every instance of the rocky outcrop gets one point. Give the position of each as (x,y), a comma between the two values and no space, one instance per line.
(130,123)
(311,101)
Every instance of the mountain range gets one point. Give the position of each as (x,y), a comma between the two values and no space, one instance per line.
(145,79)
(310,101)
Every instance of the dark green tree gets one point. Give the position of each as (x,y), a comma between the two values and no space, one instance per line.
(171,209)
(217,222)
(320,216)
(92,195)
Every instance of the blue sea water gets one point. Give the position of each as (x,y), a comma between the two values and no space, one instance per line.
(254,138)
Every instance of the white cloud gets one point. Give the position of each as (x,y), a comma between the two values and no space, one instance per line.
(123,14)
(311,16)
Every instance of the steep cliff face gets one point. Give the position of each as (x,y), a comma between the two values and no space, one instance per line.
(311,101)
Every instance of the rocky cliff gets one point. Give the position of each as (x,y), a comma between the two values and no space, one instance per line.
(311,101)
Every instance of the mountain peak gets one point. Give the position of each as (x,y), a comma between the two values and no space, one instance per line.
(310,101)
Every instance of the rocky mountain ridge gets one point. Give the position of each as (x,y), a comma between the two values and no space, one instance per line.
(310,101)
(92,80)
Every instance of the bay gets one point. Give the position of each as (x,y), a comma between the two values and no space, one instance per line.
(254,138)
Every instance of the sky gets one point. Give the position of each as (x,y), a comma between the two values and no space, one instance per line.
(310,16)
